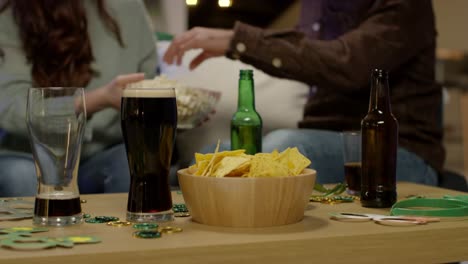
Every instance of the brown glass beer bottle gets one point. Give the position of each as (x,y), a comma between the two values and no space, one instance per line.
(379,146)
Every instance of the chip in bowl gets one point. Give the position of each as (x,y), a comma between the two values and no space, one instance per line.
(233,189)
(236,163)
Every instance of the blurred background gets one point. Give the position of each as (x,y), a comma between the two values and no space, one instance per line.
(176,16)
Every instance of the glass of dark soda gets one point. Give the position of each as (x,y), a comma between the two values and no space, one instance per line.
(352,161)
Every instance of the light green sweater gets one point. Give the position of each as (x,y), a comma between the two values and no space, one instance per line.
(103,128)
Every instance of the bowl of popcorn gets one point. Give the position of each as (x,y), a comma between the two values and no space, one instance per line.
(234,189)
(194,105)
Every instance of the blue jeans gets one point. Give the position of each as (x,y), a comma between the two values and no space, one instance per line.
(325,150)
(105,172)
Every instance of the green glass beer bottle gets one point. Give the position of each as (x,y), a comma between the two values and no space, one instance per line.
(246,123)
(379,146)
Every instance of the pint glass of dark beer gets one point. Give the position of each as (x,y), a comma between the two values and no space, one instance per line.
(149,122)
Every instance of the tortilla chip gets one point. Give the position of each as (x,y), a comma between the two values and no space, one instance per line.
(236,163)
(228,164)
(294,161)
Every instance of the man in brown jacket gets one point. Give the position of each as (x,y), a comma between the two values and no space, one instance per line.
(333,49)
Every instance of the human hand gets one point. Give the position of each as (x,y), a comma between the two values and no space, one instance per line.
(114,89)
(213,42)
(110,94)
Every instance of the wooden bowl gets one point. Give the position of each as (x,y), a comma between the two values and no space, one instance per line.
(247,202)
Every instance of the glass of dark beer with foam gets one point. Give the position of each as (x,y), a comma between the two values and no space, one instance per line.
(56,119)
(149,123)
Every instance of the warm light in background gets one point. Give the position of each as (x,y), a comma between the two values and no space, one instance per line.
(191,2)
(224,3)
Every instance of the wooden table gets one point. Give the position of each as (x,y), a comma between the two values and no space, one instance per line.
(316,239)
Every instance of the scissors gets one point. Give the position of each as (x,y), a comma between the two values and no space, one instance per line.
(383,219)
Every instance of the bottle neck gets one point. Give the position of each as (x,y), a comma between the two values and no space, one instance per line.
(380,93)
(246,98)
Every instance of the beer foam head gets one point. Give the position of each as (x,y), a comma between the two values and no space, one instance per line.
(149,92)
(58,195)
(159,87)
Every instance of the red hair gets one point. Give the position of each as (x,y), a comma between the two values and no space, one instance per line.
(55,39)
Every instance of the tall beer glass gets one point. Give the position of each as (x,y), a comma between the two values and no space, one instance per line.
(149,123)
(56,119)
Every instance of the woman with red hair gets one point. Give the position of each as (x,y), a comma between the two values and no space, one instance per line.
(96,44)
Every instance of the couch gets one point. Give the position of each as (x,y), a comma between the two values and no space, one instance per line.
(278,101)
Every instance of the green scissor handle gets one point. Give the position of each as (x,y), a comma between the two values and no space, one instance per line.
(448,206)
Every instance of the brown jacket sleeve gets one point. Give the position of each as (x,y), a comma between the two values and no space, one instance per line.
(391,33)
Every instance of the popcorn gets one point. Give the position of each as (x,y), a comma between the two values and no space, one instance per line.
(193,104)
(158,82)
